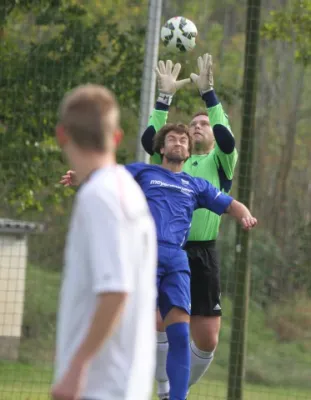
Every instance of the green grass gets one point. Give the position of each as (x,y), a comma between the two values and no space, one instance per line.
(275,368)
(269,361)
(41,301)
(25,382)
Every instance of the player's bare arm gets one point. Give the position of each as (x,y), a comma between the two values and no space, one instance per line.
(242,214)
(106,317)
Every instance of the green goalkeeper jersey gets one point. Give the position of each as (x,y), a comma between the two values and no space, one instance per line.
(217,167)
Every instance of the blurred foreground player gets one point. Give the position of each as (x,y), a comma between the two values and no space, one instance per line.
(105,345)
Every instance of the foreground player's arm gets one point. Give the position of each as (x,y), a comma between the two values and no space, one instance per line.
(107,314)
(225,151)
(112,279)
(208,196)
(167,75)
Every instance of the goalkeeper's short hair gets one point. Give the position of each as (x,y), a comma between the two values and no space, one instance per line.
(201,112)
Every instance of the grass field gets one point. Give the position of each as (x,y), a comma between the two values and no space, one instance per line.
(276,369)
(24,382)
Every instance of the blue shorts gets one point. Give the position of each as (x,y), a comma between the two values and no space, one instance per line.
(173,280)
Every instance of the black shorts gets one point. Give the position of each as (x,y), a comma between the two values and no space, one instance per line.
(205,278)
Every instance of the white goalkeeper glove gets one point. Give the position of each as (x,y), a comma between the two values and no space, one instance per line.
(167,75)
(204,80)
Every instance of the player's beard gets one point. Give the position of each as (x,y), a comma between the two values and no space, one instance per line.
(175,158)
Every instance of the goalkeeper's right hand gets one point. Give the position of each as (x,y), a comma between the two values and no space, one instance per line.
(167,75)
(204,81)
(69,179)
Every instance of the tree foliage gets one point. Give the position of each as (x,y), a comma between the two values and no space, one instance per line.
(65,46)
(292,25)
(49,46)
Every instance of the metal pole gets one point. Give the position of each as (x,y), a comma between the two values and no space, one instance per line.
(149,80)
(245,187)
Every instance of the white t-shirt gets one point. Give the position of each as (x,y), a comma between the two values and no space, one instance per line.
(111,247)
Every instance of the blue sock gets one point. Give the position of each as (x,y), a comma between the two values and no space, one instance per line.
(178,360)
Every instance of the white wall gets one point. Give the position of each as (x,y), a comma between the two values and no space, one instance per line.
(13,261)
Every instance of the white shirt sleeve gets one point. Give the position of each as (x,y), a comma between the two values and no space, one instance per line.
(108,244)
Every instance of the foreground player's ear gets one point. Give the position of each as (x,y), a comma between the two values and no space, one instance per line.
(117,137)
(61,136)
(162,150)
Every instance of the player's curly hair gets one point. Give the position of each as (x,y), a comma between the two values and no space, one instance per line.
(159,138)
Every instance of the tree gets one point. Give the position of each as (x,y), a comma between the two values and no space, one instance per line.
(63,46)
(292,25)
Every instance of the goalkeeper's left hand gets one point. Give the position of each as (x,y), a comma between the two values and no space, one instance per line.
(204,81)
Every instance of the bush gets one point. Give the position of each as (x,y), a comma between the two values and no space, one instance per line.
(291,319)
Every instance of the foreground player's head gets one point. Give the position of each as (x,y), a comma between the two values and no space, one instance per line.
(174,143)
(202,133)
(88,126)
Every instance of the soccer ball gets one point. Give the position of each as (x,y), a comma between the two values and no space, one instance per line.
(179,33)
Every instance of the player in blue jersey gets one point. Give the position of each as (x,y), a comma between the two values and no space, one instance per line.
(172,196)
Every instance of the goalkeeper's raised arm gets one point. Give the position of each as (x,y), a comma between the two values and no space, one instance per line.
(224,149)
(204,81)
(167,75)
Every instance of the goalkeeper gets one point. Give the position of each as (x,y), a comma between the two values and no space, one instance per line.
(214,158)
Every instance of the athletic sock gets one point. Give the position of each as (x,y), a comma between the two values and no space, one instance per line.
(160,374)
(178,360)
(200,362)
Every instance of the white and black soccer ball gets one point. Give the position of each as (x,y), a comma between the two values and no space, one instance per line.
(179,33)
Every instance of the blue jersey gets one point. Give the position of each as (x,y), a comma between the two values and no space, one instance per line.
(172,198)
